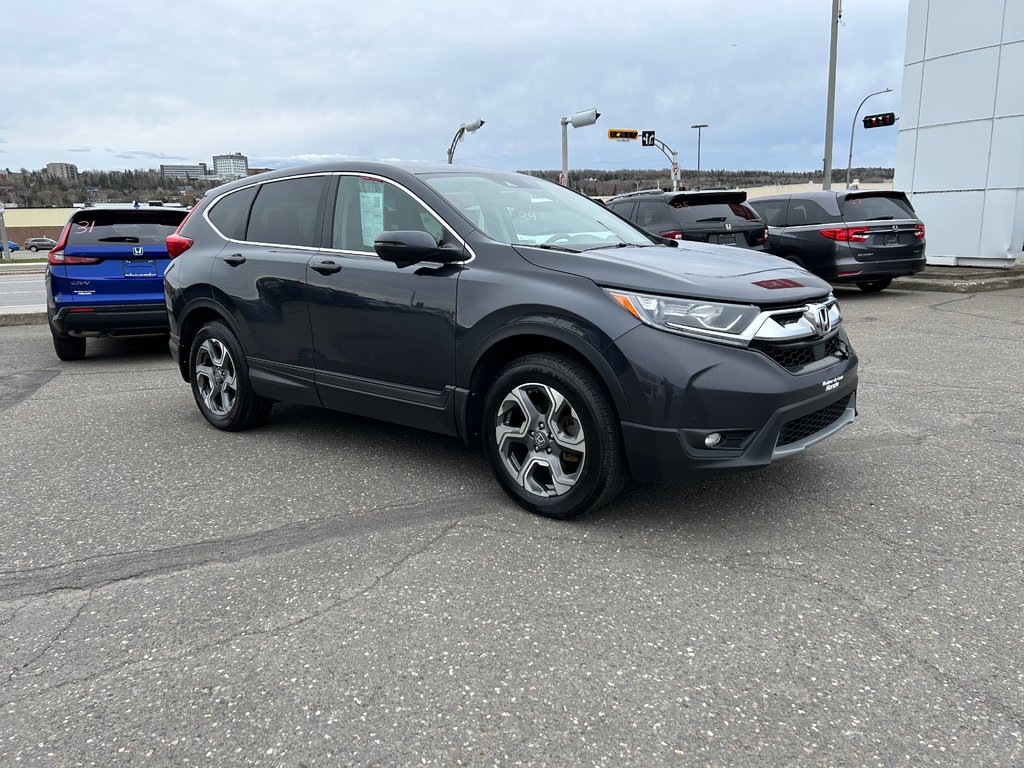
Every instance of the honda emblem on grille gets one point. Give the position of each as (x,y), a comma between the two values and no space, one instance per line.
(895,227)
(818,318)
(137,250)
(728,226)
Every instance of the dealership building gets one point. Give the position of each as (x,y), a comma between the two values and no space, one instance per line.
(960,151)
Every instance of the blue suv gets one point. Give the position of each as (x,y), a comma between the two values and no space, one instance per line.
(105,275)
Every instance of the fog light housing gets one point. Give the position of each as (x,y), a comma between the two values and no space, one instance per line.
(713,439)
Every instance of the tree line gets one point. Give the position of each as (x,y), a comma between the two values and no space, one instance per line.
(37,189)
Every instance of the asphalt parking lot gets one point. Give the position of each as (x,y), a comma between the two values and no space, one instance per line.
(331,591)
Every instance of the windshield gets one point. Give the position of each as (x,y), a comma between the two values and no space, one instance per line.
(523,210)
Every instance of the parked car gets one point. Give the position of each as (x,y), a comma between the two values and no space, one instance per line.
(577,353)
(11,245)
(703,216)
(35,244)
(864,237)
(105,275)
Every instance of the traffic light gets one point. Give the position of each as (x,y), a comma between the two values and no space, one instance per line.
(623,134)
(878,121)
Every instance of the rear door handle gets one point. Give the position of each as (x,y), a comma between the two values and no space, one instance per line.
(235,259)
(326,267)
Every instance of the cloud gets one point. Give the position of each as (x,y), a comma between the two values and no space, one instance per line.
(395,79)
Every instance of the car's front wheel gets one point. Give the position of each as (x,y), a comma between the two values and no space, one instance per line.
(552,436)
(220,381)
(874,286)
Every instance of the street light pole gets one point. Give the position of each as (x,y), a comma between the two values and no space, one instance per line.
(849,160)
(578,120)
(698,126)
(830,106)
(470,127)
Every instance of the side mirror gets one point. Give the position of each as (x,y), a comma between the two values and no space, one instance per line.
(409,246)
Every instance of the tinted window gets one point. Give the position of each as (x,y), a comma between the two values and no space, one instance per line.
(624,209)
(875,208)
(691,213)
(366,207)
(650,212)
(772,211)
(230,214)
(804,212)
(126,226)
(285,212)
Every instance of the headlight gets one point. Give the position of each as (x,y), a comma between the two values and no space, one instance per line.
(709,319)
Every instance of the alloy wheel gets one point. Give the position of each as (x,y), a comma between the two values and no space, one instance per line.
(216,377)
(540,439)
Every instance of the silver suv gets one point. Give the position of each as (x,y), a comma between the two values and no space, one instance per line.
(36,244)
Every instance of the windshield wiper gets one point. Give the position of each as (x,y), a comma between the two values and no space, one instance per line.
(712,218)
(616,245)
(549,247)
(118,239)
(881,218)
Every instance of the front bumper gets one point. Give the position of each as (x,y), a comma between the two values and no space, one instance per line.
(762,410)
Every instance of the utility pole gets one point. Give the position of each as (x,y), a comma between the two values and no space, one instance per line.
(5,252)
(830,109)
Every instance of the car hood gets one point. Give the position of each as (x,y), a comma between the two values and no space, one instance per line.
(692,270)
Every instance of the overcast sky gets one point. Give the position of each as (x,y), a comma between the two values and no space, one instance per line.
(110,84)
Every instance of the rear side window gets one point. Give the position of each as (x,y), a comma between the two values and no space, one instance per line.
(772,211)
(876,208)
(142,227)
(804,213)
(230,214)
(650,212)
(285,212)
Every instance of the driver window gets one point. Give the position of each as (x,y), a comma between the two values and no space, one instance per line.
(366,207)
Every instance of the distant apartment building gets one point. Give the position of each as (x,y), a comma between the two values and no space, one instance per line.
(231,166)
(67,171)
(197,171)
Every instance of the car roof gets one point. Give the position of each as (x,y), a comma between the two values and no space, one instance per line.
(691,196)
(830,194)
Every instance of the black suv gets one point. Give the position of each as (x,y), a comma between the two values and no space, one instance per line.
(703,216)
(510,312)
(865,237)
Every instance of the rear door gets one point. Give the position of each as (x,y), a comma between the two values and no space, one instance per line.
(888,225)
(117,256)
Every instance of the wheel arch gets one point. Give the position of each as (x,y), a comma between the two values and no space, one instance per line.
(195,316)
(519,341)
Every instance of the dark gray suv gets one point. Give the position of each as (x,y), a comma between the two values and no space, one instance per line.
(864,237)
(719,216)
(510,312)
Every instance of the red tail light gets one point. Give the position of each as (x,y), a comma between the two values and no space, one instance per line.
(177,245)
(56,254)
(672,234)
(919,231)
(846,234)
(762,238)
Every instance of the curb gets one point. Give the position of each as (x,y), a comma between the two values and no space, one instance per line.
(22,316)
(959,284)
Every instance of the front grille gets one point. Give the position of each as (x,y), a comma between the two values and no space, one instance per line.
(801,353)
(805,426)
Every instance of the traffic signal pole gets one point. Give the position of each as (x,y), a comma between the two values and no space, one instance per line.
(849,160)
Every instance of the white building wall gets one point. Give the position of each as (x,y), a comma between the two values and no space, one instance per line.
(960,149)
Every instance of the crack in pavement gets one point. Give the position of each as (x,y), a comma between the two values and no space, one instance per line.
(100,570)
(152,663)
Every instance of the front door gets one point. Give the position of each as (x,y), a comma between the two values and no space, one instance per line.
(383,336)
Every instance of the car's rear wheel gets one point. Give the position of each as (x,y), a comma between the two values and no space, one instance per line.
(220,381)
(874,286)
(552,436)
(69,347)
(33,248)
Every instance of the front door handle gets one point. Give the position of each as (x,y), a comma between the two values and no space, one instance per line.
(235,259)
(326,267)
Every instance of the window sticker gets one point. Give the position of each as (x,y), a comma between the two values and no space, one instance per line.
(371,210)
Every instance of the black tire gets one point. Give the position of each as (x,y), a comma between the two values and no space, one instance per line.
(33,248)
(220,381)
(874,286)
(69,347)
(566,481)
